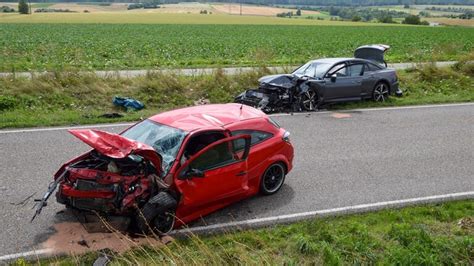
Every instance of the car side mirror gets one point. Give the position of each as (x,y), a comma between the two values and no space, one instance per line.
(333,77)
(192,173)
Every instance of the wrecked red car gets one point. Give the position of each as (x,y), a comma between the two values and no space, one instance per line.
(176,166)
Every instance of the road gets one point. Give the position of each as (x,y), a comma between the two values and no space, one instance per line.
(208,71)
(359,157)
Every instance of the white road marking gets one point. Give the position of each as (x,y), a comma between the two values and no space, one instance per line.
(27,254)
(271,115)
(288,218)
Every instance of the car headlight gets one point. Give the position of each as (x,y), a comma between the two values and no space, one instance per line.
(286,136)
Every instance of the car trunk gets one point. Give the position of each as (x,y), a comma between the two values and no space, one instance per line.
(374,52)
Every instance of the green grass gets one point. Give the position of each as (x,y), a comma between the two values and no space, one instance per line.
(25,47)
(74,98)
(436,234)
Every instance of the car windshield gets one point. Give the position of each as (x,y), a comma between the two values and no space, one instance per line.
(312,69)
(164,139)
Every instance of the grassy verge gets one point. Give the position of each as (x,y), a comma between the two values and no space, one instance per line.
(73,98)
(424,235)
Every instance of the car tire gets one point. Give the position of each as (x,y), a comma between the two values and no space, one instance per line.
(381,92)
(157,214)
(272,179)
(309,101)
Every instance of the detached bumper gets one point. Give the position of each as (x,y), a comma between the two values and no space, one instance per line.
(396,90)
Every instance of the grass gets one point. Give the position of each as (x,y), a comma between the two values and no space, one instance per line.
(70,98)
(424,235)
(58,47)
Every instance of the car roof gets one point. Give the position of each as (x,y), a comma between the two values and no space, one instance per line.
(336,60)
(206,116)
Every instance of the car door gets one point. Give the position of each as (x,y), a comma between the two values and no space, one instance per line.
(343,82)
(369,80)
(213,174)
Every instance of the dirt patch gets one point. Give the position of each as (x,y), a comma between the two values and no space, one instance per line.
(341,115)
(234,9)
(72,238)
(90,8)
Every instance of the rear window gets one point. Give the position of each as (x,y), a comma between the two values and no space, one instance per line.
(257,136)
(372,67)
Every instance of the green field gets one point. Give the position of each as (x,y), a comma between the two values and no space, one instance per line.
(25,47)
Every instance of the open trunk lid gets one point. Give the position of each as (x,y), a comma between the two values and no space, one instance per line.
(374,52)
(116,146)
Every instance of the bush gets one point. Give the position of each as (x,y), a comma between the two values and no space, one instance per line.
(412,19)
(356,18)
(6,9)
(386,19)
(7,103)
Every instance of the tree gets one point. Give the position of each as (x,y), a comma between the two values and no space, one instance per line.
(356,18)
(298,12)
(412,19)
(23,7)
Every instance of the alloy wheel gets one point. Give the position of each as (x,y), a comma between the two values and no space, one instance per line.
(381,92)
(273,178)
(308,100)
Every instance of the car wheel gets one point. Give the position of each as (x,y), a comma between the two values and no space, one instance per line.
(157,214)
(309,100)
(164,222)
(272,179)
(381,92)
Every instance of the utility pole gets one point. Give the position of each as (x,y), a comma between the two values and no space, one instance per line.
(241,7)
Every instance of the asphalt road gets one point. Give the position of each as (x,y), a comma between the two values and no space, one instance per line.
(368,156)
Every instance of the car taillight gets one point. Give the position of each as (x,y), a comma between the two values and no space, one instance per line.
(286,136)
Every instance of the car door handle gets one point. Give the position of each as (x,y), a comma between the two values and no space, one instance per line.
(242,173)
(356,82)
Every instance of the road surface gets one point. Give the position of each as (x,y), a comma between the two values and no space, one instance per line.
(358,157)
(209,71)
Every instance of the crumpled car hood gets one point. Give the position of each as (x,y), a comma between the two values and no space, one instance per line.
(116,146)
(279,79)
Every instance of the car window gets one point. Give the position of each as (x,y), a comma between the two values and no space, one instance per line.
(371,67)
(315,69)
(340,70)
(310,70)
(356,70)
(257,136)
(164,139)
(217,156)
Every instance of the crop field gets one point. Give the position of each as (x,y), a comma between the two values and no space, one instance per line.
(25,47)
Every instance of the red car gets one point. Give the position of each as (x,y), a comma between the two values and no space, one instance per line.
(177,166)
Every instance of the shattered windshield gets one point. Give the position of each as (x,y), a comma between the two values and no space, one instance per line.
(312,69)
(164,139)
